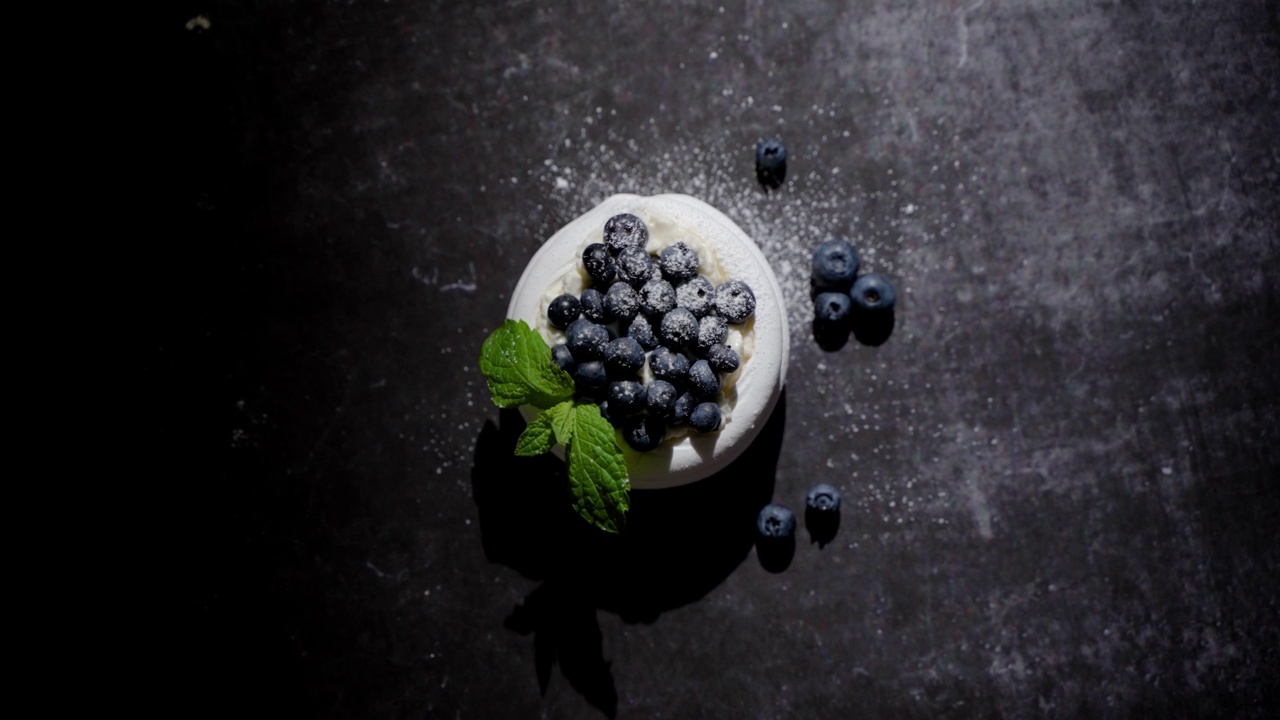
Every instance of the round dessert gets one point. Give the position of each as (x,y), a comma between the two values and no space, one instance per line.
(726,254)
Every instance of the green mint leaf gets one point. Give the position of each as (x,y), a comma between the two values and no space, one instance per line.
(597,471)
(536,438)
(517,365)
(562,418)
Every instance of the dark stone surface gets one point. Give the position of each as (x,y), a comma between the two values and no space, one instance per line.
(1059,471)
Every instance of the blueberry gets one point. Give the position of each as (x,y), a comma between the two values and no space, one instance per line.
(599,264)
(822,498)
(670,366)
(642,331)
(660,398)
(771,162)
(621,302)
(657,297)
(592,302)
(678,328)
(623,231)
(614,418)
(703,381)
(832,307)
(678,262)
(735,302)
(635,267)
(591,378)
(564,310)
(723,359)
(563,358)
(683,408)
(712,331)
(697,295)
(626,397)
(623,356)
(644,433)
(776,522)
(586,340)
(872,293)
(705,417)
(835,265)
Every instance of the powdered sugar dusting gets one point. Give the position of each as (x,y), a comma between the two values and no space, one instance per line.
(787,224)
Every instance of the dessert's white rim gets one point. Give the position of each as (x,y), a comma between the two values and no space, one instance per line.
(760,384)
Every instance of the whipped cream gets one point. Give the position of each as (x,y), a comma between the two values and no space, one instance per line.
(725,252)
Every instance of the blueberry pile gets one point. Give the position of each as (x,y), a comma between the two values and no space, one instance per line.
(649,310)
(844,301)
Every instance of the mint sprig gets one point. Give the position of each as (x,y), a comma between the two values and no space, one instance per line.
(519,370)
(516,363)
(597,471)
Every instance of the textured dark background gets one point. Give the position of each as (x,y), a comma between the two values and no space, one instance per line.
(1060,472)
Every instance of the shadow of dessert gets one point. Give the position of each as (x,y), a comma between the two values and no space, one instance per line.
(679,544)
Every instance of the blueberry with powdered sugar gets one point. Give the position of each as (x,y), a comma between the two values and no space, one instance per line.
(679,262)
(641,329)
(625,230)
(621,302)
(599,264)
(697,295)
(735,302)
(712,330)
(635,266)
(657,297)
(678,328)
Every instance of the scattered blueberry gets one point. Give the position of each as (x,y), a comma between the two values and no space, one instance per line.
(591,377)
(683,408)
(703,381)
(670,366)
(644,433)
(642,331)
(657,297)
(660,397)
(564,310)
(626,397)
(697,295)
(776,522)
(563,358)
(835,265)
(832,307)
(823,498)
(735,302)
(723,359)
(621,302)
(599,264)
(678,328)
(623,356)
(872,293)
(705,417)
(822,513)
(712,330)
(592,302)
(623,231)
(771,162)
(586,340)
(678,262)
(635,266)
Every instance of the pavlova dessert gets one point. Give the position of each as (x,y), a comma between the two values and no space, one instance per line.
(646,344)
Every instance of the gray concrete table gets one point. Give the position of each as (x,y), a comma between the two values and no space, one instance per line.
(1059,472)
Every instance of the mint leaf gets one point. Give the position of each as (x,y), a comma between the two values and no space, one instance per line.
(517,365)
(536,438)
(597,471)
(562,419)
